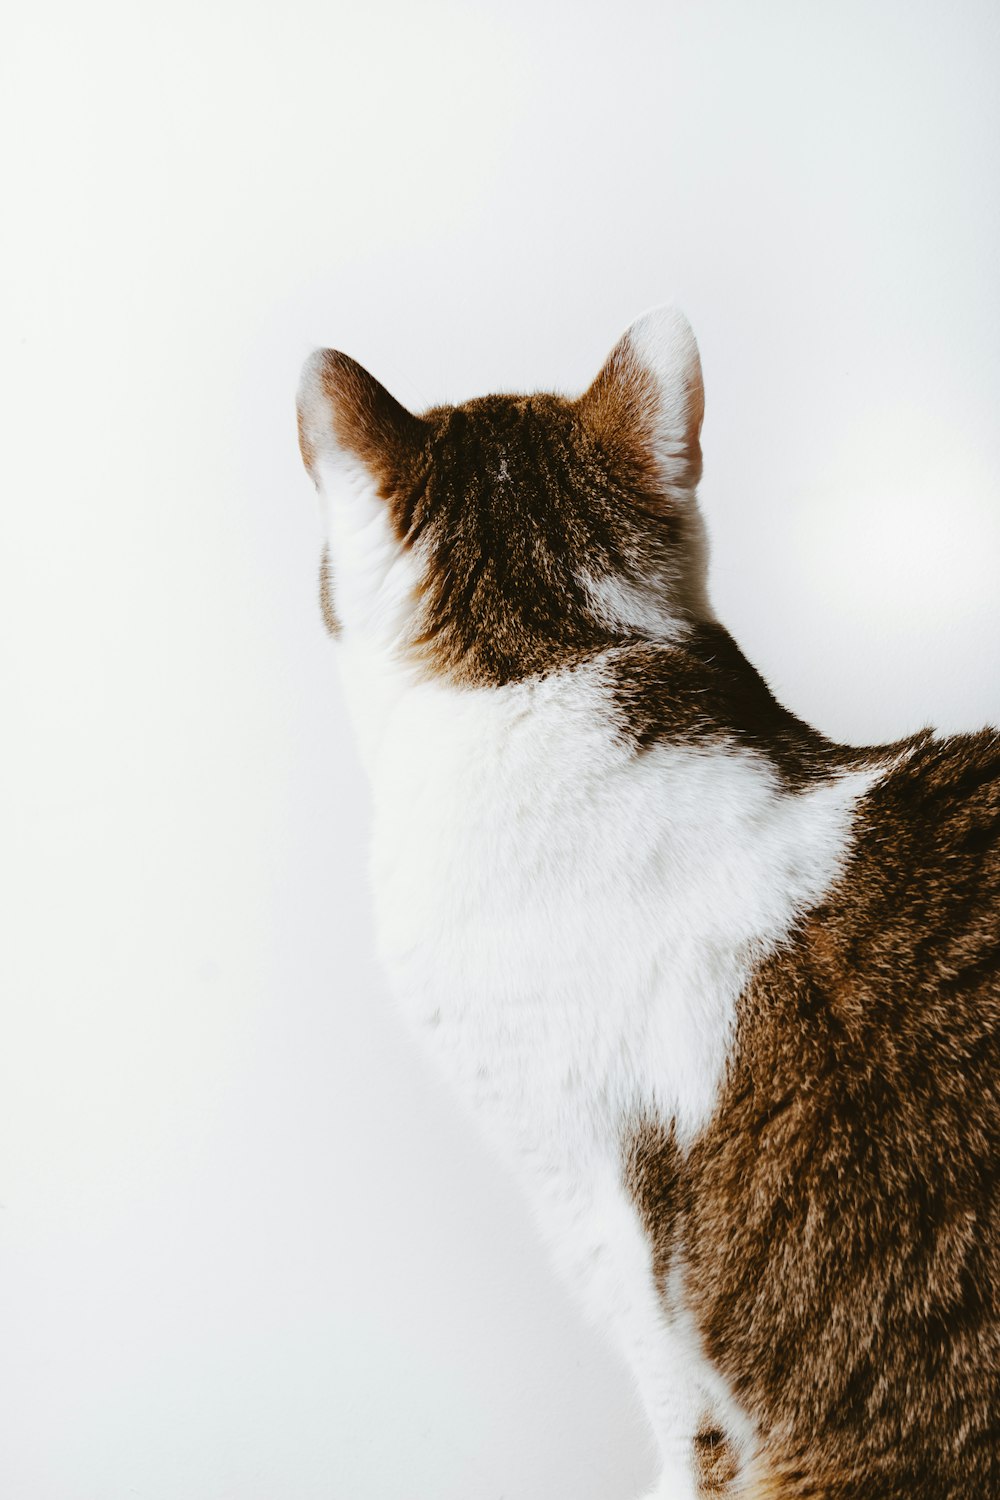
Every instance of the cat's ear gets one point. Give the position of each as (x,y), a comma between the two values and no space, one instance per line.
(349,423)
(648,402)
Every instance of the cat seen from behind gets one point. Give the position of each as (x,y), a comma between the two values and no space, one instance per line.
(725,994)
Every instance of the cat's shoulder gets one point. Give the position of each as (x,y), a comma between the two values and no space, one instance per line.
(928,839)
(906,943)
(947,773)
(701,690)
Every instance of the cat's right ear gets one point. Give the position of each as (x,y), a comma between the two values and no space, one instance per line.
(350,424)
(647,403)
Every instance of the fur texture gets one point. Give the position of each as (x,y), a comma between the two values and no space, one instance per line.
(724,994)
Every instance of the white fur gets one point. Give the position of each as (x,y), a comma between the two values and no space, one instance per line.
(623,604)
(661,341)
(568,925)
(529,863)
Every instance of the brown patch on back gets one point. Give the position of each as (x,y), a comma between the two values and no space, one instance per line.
(839,1220)
(704,689)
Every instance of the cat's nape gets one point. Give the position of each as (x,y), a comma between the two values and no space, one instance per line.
(724,993)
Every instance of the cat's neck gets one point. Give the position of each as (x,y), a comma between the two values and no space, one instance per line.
(702,690)
(693,689)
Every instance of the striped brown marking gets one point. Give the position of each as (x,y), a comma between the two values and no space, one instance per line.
(839,1220)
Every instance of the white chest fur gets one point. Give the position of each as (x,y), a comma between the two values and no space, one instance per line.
(569,923)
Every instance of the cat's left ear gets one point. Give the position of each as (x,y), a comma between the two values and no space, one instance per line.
(350,424)
(648,401)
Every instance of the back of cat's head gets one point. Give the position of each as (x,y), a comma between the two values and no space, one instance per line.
(509,535)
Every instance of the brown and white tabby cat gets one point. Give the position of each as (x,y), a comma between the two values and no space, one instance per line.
(726,994)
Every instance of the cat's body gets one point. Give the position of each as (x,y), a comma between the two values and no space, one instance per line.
(724,994)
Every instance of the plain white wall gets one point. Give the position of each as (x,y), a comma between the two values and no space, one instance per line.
(249,1251)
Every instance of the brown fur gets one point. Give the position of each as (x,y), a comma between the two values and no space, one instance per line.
(370,422)
(516,502)
(704,690)
(839,1221)
(510,499)
(717,1464)
(621,410)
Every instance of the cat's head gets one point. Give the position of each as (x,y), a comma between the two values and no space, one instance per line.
(497,539)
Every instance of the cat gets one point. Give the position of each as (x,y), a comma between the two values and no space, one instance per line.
(725,994)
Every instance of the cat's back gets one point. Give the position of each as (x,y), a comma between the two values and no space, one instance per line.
(928,864)
(846,1222)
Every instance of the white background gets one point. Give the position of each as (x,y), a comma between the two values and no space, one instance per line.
(249,1251)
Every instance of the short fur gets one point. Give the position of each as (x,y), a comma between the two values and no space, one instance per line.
(725,993)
